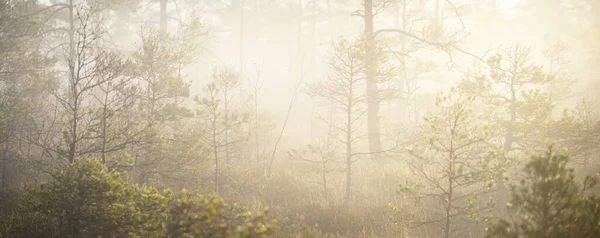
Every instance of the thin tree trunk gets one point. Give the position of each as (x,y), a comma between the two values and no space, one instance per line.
(72,63)
(256,131)
(287,117)
(349,143)
(325,190)
(403,79)
(216,156)
(348,160)
(104,125)
(450,189)
(501,190)
(226,106)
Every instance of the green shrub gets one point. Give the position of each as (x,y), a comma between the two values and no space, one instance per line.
(548,203)
(88,200)
(194,215)
(84,200)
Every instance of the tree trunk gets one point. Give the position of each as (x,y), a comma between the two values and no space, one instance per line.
(348,154)
(3,184)
(372,87)
(501,190)
(349,141)
(242,39)
(227,126)
(259,171)
(348,191)
(104,125)
(402,104)
(163,16)
(216,155)
(450,190)
(72,144)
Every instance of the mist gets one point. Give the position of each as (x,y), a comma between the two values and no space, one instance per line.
(299,118)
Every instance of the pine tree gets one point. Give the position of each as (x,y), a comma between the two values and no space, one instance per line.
(548,203)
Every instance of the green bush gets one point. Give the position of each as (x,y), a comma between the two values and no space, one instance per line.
(194,215)
(84,200)
(548,203)
(88,200)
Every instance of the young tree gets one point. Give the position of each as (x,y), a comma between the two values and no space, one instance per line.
(322,157)
(343,87)
(219,119)
(515,88)
(157,72)
(161,92)
(259,120)
(452,162)
(576,132)
(227,81)
(549,203)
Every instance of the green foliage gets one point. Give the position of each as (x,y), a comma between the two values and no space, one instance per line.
(549,203)
(84,200)
(89,200)
(151,208)
(194,215)
(576,133)
(515,90)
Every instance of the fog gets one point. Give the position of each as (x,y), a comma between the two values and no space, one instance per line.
(299,118)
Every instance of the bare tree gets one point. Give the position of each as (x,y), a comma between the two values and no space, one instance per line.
(89,66)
